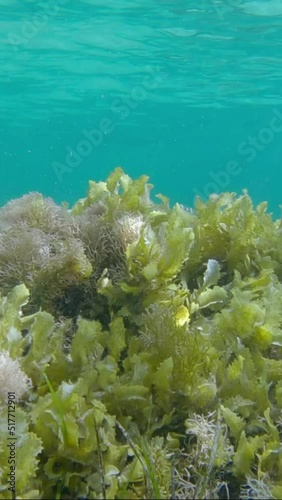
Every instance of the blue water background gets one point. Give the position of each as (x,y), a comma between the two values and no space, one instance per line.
(175,89)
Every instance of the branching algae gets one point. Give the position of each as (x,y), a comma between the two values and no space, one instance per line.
(142,345)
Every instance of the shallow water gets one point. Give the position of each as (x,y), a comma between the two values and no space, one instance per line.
(188,92)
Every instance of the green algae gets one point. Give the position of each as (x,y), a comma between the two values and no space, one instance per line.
(152,338)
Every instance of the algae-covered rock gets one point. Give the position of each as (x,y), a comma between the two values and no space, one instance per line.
(145,345)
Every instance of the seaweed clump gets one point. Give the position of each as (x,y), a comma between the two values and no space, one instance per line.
(39,246)
(149,342)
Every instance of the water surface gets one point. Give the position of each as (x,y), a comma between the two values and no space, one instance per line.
(188,92)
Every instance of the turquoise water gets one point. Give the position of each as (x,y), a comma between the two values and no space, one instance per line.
(185,91)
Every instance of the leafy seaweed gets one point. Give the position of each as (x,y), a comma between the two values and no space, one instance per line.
(144,345)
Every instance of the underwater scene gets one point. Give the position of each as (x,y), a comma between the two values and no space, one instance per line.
(141,249)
